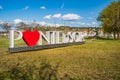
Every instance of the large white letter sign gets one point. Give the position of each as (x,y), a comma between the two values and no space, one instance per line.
(57,37)
(73,37)
(51,39)
(31,37)
(42,36)
(12,37)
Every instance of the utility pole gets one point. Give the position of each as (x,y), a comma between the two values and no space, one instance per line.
(64,22)
(33,25)
(55,25)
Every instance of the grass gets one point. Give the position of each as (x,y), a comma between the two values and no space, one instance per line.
(95,60)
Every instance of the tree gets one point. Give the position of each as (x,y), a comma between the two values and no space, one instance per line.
(6,27)
(110,18)
(22,25)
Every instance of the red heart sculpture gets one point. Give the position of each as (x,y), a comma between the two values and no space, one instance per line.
(31,37)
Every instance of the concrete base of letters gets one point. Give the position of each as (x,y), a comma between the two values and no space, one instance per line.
(41,47)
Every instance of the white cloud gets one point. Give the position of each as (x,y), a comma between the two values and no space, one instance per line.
(1,7)
(16,21)
(64,17)
(57,25)
(94,23)
(49,24)
(71,17)
(89,18)
(41,23)
(53,25)
(88,24)
(43,7)
(1,22)
(47,17)
(26,8)
(85,24)
(56,15)
(78,23)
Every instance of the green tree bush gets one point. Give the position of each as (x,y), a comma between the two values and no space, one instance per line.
(110,18)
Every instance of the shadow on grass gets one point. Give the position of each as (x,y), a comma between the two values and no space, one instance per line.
(99,38)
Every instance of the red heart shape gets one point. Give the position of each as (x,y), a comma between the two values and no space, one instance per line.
(31,37)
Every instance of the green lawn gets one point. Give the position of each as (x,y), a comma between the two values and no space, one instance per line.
(95,60)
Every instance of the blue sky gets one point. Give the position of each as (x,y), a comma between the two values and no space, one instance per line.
(47,12)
